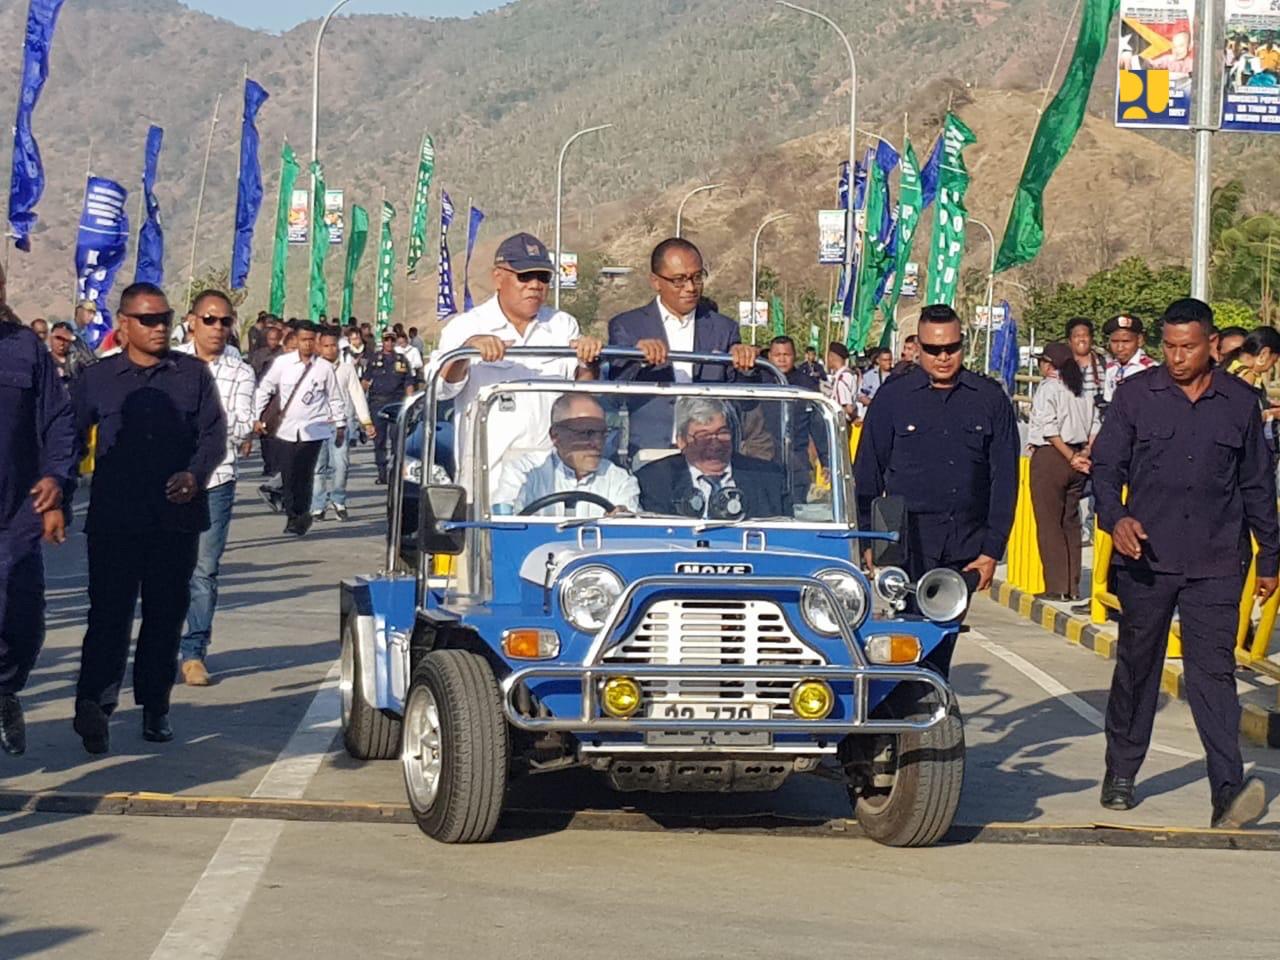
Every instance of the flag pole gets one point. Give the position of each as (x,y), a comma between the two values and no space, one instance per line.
(1206,59)
(376,292)
(204,177)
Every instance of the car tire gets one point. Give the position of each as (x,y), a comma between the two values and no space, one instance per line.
(455,747)
(927,769)
(367,732)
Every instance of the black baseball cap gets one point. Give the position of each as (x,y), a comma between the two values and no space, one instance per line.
(523,252)
(1122,321)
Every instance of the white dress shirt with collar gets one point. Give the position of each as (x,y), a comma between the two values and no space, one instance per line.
(679,331)
(538,475)
(353,398)
(235,381)
(317,408)
(525,427)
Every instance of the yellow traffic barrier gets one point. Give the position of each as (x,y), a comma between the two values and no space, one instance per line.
(1026,572)
(855,434)
(91,449)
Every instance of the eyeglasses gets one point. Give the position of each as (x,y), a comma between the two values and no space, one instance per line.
(938,349)
(529,276)
(685,279)
(724,435)
(213,321)
(152,319)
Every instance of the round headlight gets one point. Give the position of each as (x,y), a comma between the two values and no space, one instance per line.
(849,592)
(587,594)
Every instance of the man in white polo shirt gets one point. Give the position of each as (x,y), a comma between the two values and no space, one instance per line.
(515,316)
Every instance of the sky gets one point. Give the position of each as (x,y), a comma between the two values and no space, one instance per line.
(278,15)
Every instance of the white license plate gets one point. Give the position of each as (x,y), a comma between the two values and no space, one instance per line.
(709,712)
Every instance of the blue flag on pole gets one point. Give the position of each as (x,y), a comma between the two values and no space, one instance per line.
(1004,349)
(27,181)
(150,266)
(446,306)
(249,193)
(473,229)
(100,249)
(859,203)
(930,173)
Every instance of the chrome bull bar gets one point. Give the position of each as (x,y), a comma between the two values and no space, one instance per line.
(592,720)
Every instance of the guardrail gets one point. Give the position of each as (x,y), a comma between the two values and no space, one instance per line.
(1026,573)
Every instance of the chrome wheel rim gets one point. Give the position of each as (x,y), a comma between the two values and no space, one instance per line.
(422,753)
(347,675)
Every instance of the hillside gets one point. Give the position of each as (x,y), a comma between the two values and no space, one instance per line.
(696,89)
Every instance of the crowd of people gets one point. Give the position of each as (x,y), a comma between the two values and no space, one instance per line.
(172,407)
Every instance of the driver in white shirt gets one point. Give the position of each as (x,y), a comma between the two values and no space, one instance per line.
(576,465)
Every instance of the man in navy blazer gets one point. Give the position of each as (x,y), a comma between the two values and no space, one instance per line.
(678,319)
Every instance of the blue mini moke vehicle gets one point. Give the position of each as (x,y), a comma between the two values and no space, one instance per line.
(672,642)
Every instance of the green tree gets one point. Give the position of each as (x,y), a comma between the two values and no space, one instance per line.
(1246,262)
(1131,286)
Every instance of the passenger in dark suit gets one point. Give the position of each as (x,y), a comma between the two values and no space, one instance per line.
(706,478)
(678,319)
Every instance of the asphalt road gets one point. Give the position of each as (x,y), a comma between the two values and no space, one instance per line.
(127,887)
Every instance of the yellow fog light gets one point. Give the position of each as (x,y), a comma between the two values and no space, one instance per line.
(621,697)
(896,648)
(812,700)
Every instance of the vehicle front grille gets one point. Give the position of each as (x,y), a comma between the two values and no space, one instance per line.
(730,633)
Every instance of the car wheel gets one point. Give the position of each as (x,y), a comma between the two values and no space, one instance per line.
(455,747)
(367,732)
(907,787)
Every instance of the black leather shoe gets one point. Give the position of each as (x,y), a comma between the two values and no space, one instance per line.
(91,724)
(1117,793)
(13,727)
(1239,809)
(155,726)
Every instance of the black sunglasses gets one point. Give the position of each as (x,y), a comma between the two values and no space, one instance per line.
(211,320)
(938,349)
(530,276)
(153,319)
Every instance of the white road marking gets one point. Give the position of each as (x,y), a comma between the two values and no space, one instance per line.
(204,926)
(1052,686)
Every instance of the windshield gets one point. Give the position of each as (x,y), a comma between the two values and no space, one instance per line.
(704,455)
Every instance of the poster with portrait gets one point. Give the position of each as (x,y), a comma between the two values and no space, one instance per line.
(749,318)
(911,279)
(568,271)
(1251,81)
(299,217)
(831,224)
(335,215)
(1156,66)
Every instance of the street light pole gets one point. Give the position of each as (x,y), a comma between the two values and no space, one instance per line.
(851,220)
(1206,70)
(560,200)
(315,98)
(687,197)
(755,267)
(991,283)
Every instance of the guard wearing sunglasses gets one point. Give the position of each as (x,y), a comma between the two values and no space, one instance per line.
(946,440)
(161,435)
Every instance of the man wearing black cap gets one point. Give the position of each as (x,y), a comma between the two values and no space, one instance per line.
(1124,340)
(1187,440)
(946,440)
(515,316)
(844,382)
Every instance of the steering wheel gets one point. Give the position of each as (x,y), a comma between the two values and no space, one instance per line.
(568,497)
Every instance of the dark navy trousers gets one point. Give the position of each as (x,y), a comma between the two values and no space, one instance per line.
(1209,610)
(21,598)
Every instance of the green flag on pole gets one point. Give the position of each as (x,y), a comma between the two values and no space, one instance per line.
(355,250)
(319,246)
(874,261)
(386,270)
(1054,134)
(778,316)
(910,203)
(280,259)
(421,194)
(947,249)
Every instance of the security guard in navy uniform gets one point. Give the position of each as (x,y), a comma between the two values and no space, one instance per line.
(946,440)
(1187,440)
(388,379)
(37,438)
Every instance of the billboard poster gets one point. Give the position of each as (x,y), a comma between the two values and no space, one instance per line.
(1251,86)
(1156,64)
(831,236)
(982,321)
(299,218)
(568,271)
(911,279)
(335,215)
(746,317)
